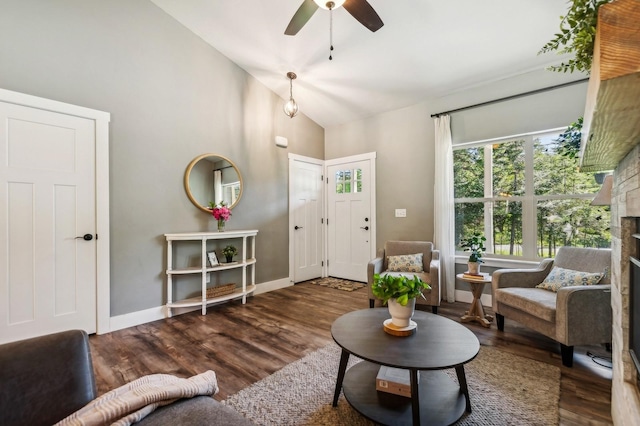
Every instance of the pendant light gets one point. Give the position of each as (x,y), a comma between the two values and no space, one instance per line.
(291,107)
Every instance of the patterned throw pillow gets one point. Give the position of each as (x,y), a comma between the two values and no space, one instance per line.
(405,263)
(560,277)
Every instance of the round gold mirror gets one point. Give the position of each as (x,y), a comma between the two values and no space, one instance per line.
(213,178)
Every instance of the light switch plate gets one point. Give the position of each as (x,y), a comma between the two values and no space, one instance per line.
(401,212)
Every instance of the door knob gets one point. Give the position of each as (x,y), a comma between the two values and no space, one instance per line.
(86,237)
(366,228)
(297,227)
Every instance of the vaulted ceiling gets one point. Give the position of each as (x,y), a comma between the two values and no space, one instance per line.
(425,49)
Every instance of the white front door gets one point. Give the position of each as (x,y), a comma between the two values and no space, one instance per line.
(48,188)
(306,217)
(351,219)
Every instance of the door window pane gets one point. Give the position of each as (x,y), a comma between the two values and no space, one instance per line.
(348,181)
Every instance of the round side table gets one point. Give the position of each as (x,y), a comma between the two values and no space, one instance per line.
(476,312)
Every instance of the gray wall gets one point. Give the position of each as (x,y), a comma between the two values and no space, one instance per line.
(404,141)
(171,97)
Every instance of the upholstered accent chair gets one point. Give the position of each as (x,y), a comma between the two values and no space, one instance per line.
(575,307)
(428,269)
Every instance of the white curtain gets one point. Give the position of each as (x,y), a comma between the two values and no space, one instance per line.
(444,211)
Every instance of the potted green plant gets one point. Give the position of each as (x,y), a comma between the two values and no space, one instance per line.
(399,292)
(228,252)
(475,245)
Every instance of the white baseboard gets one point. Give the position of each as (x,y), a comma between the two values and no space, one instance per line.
(160,312)
(467,296)
(273,285)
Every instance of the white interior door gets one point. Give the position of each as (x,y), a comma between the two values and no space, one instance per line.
(351,219)
(306,217)
(48,193)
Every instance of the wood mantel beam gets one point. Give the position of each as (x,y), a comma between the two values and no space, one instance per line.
(612,112)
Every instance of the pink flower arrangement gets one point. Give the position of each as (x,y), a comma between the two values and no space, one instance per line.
(221,212)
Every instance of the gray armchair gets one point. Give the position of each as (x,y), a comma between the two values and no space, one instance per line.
(430,265)
(578,315)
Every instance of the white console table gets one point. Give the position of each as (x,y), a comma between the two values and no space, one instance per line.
(248,260)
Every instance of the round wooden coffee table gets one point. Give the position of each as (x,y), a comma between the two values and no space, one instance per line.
(438,344)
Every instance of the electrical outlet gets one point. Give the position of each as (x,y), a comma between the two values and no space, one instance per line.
(401,212)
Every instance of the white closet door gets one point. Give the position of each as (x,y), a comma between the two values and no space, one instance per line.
(47,188)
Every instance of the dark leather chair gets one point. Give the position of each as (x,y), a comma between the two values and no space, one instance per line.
(45,379)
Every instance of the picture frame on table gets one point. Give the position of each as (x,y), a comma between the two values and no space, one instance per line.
(213,259)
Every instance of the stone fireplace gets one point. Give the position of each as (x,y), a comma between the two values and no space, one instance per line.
(625,215)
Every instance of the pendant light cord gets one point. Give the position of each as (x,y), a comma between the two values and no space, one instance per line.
(331,32)
(290,88)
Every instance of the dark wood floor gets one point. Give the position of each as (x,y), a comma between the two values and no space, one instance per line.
(245,343)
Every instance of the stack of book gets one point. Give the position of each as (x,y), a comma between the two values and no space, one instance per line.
(394,380)
(470,276)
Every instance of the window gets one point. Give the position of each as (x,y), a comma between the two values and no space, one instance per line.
(348,181)
(526,197)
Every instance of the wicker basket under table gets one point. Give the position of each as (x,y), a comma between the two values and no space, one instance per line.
(221,290)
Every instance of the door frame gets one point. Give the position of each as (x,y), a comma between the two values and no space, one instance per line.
(371,157)
(292,159)
(101,119)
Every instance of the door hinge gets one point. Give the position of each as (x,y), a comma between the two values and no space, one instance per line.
(327,181)
(321,177)
(322,263)
(327,263)
(322,220)
(327,221)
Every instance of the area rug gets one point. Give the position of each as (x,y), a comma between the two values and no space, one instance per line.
(505,389)
(338,283)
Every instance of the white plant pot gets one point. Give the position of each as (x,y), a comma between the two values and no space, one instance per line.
(401,315)
(474,267)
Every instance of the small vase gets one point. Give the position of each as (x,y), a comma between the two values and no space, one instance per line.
(220,225)
(401,315)
(229,259)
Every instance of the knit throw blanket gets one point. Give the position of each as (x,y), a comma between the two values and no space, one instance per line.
(132,402)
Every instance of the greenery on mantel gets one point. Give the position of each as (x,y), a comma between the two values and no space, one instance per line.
(569,140)
(577,35)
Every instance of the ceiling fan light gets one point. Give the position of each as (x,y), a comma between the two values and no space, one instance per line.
(291,108)
(323,3)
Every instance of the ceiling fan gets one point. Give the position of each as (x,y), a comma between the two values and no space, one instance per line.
(359,9)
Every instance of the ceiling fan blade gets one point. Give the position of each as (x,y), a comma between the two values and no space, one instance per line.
(364,13)
(302,15)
